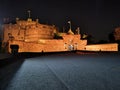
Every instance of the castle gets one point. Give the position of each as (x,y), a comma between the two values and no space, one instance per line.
(32,36)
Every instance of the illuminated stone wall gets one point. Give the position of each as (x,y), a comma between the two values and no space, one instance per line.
(32,36)
(28,30)
(51,45)
(102,47)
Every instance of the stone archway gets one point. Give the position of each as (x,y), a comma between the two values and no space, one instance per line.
(70,47)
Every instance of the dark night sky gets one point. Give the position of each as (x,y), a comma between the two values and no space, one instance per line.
(95,17)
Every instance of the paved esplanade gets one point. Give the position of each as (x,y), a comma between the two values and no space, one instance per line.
(68,72)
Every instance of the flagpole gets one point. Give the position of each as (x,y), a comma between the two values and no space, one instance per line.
(69,24)
(29,13)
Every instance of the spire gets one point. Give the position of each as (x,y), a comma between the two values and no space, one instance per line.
(70,31)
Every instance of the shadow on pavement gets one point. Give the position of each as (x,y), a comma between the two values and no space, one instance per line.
(8,70)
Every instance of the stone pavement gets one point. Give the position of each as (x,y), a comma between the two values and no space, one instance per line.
(63,72)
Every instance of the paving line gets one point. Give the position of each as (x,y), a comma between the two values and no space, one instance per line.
(62,81)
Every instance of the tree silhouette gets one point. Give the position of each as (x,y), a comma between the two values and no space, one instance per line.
(111,37)
(89,38)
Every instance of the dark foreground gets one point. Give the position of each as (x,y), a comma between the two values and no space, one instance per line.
(63,72)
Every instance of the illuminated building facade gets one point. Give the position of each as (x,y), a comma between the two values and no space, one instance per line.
(31,36)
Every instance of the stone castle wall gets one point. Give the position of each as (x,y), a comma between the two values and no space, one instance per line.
(34,37)
(102,47)
(51,45)
(30,31)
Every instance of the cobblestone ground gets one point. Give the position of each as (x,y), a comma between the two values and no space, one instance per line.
(63,72)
